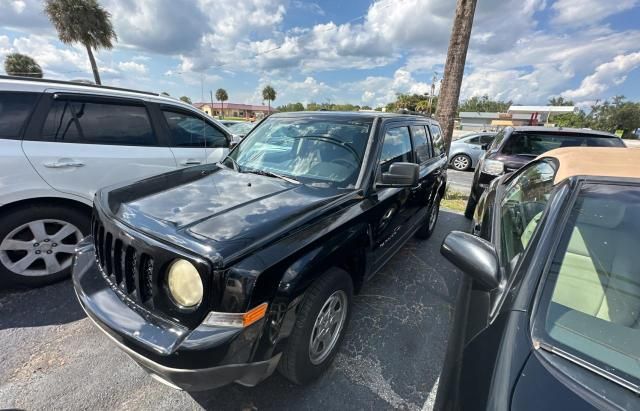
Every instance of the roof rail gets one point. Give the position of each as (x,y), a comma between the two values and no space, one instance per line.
(75,83)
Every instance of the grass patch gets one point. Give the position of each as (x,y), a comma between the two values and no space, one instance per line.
(454,200)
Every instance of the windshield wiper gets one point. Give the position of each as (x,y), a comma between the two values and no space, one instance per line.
(272,174)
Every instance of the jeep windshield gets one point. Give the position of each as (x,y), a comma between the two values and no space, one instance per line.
(314,151)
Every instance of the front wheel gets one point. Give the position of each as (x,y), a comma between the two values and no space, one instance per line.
(37,244)
(319,329)
(471,207)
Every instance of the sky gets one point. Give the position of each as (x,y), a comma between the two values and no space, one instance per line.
(347,51)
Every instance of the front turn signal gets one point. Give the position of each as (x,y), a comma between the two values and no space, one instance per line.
(237,320)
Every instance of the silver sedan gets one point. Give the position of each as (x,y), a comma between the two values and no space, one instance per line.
(465,152)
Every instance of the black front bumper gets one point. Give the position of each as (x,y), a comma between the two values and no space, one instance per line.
(170,352)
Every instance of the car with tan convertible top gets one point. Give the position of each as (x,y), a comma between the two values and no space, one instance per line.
(551,320)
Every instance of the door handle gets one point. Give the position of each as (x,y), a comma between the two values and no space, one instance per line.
(64,163)
(190,162)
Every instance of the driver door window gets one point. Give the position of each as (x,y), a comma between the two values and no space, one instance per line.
(396,147)
(525,198)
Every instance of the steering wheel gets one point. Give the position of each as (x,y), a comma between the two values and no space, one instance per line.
(343,162)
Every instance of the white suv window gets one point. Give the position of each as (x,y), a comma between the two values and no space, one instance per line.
(87,122)
(15,108)
(591,302)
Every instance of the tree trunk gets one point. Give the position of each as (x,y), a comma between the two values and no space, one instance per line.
(94,66)
(454,67)
(269,103)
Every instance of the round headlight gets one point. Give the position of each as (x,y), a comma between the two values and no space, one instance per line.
(184,283)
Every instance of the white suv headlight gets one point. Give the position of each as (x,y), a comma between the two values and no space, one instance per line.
(493,167)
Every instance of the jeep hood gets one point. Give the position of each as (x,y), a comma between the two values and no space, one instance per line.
(217,212)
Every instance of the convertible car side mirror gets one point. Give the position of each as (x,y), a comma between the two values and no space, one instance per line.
(475,256)
(401,175)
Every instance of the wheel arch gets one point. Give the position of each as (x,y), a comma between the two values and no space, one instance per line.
(48,201)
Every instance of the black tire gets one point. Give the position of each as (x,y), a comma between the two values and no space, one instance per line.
(471,207)
(429,225)
(16,217)
(296,364)
(463,156)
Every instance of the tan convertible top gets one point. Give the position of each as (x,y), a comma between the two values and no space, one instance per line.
(595,161)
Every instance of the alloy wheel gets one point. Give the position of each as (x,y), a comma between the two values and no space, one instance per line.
(40,247)
(460,162)
(327,327)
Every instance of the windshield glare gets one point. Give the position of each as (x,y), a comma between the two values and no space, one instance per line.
(321,152)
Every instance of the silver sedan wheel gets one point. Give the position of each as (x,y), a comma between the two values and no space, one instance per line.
(40,247)
(328,326)
(461,162)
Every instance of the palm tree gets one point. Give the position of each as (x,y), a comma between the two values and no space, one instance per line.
(16,64)
(222,96)
(454,67)
(269,94)
(422,106)
(85,22)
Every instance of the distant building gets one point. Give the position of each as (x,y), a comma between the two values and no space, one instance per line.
(515,116)
(234,110)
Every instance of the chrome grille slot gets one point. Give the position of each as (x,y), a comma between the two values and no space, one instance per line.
(146,278)
(131,269)
(117,261)
(108,253)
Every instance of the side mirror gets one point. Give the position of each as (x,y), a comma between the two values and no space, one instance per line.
(485,146)
(473,255)
(401,175)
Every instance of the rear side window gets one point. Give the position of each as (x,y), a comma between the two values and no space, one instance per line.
(421,143)
(474,140)
(191,131)
(538,143)
(396,147)
(438,142)
(15,109)
(590,306)
(86,122)
(486,139)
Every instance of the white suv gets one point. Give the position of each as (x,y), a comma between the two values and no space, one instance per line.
(61,141)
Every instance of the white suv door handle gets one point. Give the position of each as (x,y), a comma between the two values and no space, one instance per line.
(191,162)
(64,163)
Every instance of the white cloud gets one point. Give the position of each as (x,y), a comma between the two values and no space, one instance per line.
(24,15)
(586,12)
(379,90)
(132,67)
(612,73)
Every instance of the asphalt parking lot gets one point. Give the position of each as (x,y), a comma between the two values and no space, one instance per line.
(53,357)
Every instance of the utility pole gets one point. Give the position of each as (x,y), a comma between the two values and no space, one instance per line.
(454,67)
(211,94)
(433,92)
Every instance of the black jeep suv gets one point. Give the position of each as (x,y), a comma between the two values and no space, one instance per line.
(222,273)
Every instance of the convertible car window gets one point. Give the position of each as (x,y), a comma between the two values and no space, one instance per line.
(313,151)
(524,200)
(592,294)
